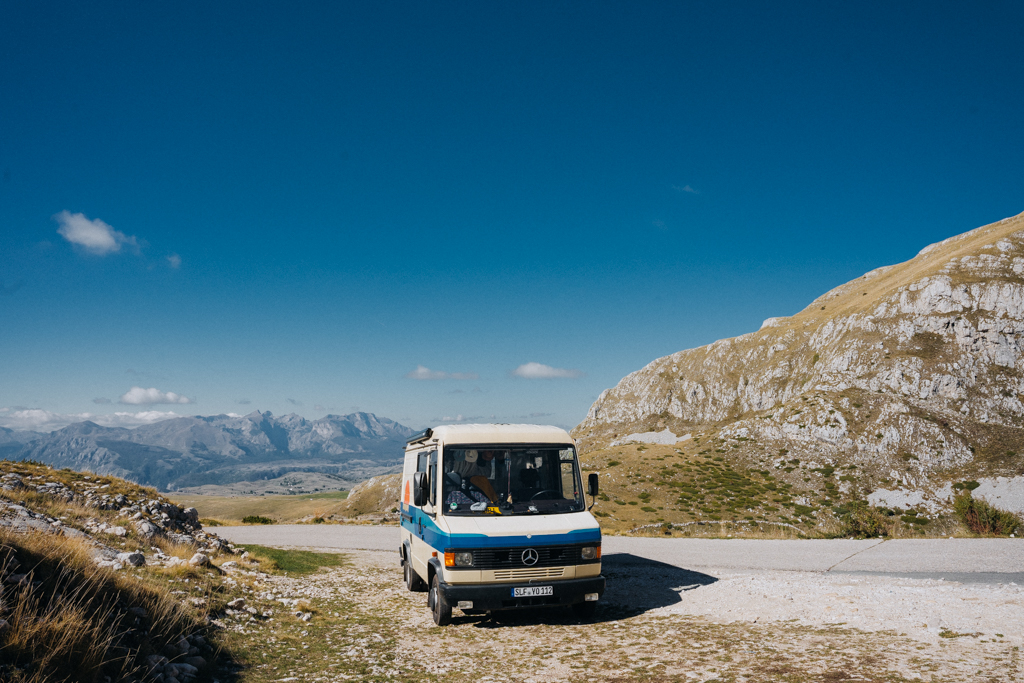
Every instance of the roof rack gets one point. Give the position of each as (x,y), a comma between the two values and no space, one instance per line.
(420,436)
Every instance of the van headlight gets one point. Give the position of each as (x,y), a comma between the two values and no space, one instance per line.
(463,559)
(589,552)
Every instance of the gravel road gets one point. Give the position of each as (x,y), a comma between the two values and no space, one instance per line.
(958,559)
(921,588)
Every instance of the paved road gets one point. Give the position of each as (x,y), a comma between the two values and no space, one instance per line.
(959,559)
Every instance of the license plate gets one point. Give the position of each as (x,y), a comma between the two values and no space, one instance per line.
(532,591)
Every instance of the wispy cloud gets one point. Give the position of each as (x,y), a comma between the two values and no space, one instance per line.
(140,396)
(457,418)
(38,420)
(294,402)
(540,371)
(174,260)
(94,236)
(244,401)
(318,407)
(101,400)
(422,373)
(685,188)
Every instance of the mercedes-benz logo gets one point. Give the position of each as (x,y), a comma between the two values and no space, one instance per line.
(530,556)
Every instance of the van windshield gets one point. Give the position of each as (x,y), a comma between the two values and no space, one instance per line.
(482,480)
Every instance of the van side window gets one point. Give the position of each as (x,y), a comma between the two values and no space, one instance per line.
(421,461)
(432,478)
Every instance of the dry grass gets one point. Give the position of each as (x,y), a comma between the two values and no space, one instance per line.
(230,510)
(70,620)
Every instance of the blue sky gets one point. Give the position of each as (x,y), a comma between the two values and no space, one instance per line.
(318,207)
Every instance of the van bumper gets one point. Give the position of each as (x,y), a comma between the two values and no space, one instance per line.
(489,597)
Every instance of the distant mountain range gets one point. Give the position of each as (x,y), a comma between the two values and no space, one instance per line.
(218,449)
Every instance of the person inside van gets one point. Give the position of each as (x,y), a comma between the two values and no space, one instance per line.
(476,471)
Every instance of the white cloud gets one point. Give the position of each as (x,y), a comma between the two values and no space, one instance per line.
(139,396)
(37,420)
(422,372)
(174,260)
(94,236)
(685,188)
(540,371)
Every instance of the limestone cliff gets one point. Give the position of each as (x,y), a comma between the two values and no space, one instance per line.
(912,372)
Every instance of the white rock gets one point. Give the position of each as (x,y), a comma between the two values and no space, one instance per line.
(135,559)
(199,560)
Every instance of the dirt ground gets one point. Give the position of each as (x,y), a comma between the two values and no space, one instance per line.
(366,626)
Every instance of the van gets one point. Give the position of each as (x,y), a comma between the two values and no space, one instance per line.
(494,518)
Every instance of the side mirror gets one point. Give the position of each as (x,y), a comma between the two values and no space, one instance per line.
(419,489)
(592,484)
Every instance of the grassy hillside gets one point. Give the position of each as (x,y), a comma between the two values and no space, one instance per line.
(718,485)
(72,609)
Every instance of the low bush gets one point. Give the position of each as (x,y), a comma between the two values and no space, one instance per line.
(257,519)
(859,519)
(982,518)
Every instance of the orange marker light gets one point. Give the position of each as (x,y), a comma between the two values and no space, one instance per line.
(449,559)
(599,552)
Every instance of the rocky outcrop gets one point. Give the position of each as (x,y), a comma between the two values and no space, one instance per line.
(914,370)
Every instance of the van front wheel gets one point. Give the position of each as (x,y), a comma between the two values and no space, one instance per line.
(440,609)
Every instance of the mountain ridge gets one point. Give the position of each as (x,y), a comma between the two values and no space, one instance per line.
(912,372)
(197,450)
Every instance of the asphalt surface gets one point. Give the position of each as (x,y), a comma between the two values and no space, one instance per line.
(965,560)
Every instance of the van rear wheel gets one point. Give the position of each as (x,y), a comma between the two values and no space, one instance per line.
(412,580)
(440,609)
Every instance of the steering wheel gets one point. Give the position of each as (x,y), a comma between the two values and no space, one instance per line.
(554,495)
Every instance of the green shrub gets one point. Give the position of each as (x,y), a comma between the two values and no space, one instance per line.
(257,519)
(861,520)
(648,509)
(612,463)
(984,519)
(966,485)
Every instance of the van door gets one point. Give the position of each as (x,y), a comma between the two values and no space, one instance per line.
(424,518)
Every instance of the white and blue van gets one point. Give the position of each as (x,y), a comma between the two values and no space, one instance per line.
(494,518)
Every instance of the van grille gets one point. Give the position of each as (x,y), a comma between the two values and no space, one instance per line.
(522,574)
(512,558)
